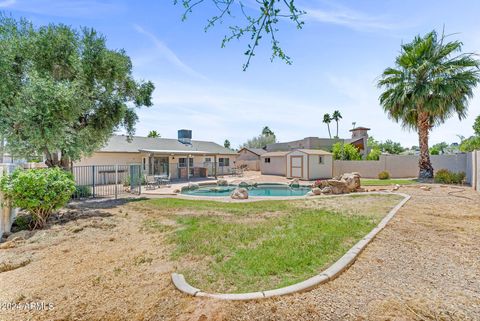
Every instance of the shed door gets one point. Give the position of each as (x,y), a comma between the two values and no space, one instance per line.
(296,166)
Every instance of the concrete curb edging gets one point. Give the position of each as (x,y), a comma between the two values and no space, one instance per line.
(330,273)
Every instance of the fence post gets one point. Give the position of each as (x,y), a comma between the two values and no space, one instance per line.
(116,181)
(93,181)
(140,179)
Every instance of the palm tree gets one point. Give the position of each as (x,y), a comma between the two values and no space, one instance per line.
(327,120)
(226,144)
(266,131)
(431,81)
(153,134)
(336,116)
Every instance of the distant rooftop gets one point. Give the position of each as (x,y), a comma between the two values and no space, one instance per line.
(359,128)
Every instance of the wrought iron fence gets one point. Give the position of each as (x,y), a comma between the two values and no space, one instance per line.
(182,171)
(107,180)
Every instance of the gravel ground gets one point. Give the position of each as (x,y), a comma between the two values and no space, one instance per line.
(100,265)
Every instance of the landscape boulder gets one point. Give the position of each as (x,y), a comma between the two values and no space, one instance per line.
(222,182)
(243,184)
(316,191)
(239,194)
(346,183)
(352,180)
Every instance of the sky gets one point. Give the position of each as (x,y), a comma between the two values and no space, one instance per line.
(337,58)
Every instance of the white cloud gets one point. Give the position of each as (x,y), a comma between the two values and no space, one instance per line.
(344,16)
(163,50)
(7,3)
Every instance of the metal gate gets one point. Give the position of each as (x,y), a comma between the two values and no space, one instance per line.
(107,180)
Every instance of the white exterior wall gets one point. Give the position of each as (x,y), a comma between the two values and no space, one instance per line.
(312,169)
(103,158)
(401,166)
(317,170)
(275,167)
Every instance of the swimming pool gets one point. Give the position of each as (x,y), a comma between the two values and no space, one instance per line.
(260,190)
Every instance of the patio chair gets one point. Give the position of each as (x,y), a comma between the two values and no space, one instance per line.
(151,182)
(165,180)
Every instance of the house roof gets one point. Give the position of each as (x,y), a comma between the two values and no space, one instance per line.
(119,143)
(313,151)
(359,128)
(275,154)
(256,151)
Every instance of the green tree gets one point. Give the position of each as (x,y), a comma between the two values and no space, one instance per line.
(336,116)
(439,148)
(264,22)
(476,126)
(391,147)
(63,93)
(153,134)
(431,81)
(374,154)
(342,151)
(473,142)
(266,131)
(226,144)
(327,120)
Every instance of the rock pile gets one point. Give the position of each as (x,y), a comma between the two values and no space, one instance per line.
(239,194)
(346,183)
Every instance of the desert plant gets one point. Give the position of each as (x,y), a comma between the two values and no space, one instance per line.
(384,175)
(444,176)
(83,191)
(38,191)
(431,81)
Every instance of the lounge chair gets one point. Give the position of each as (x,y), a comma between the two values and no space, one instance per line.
(151,182)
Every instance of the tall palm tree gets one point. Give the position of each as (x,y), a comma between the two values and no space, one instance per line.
(266,131)
(431,81)
(327,120)
(336,116)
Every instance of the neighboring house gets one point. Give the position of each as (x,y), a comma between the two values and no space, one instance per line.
(250,157)
(179,158)
(359,139)
(305,164)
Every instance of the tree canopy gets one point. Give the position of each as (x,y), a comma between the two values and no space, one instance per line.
(266,137)
(226,144)
(431,81)
(256,23)
(153,134)
(63,92)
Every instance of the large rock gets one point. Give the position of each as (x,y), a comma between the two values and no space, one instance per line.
(352,181)
(316,191)
(222,182)
(243,184)
(239,194)
(337,187)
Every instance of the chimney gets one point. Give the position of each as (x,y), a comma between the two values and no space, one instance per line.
(185,136)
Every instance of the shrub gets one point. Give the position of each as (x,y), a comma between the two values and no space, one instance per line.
(82,191)
(345,152)
(384,175)
(444,176)
(38,191)
(374,154)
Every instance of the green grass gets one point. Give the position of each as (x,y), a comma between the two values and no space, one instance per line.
(236,247)
(386,182)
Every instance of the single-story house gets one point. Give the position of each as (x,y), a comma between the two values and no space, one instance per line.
(179,158)
(250,157)
(305,164)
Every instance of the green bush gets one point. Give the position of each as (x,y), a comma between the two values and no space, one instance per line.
(444,176)
(374,154)
(384,175)
(82,191)
(345,152)
(38,191)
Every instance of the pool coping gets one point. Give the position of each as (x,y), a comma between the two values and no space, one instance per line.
(327,275)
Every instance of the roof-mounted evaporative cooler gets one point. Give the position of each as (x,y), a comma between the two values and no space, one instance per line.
(185,136)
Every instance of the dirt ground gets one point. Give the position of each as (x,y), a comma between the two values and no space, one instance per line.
(96,263)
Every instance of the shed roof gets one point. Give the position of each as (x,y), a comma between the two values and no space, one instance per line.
(313,151)
(275,154)
(256,151)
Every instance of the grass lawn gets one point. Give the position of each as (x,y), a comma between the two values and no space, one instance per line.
(386,182)
(236,247)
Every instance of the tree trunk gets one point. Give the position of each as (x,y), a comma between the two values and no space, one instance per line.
(337,130)
(424,164)
(54,161)
(329,134)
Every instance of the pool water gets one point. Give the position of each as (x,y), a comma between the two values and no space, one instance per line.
(260,190)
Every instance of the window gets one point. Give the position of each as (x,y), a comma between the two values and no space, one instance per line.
(320,159)
(144,163)
(267,159)
(208,159)
(182,162)
(224,162)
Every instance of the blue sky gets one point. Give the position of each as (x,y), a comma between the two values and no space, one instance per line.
(337,57)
